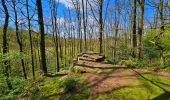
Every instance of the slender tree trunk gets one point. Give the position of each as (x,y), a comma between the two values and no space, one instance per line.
(42,37)
(53,7)
(84,26)
(156,18)
(65,52)
(60,46)
(30,40)
(116,26)
(134,29)
(140,27)
(100,26)
(115,42)
(19,37)
(162,29)
(5,45)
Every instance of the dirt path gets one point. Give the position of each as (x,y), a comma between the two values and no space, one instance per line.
(113,80)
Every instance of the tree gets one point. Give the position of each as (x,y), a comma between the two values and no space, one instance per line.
(19,38)
(100,26)
(140,27)
(78,14)
(42,36)
(116,26)
(53,8)
(5,44)
(162,29)
(134,28)
(169,4)
(84,26)
(30,39)
(99,21)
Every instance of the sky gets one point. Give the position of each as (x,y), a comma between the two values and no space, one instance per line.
(64,4)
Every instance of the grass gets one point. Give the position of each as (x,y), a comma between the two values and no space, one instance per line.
(50,89)
(150,87)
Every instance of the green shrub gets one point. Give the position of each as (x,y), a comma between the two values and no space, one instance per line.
(71,69)
(132,62)
(167,62)
(69,84)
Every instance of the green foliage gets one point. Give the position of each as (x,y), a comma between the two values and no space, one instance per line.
(49,87)
(167,62)
(130,63)
(12,56)
(18,86)
(17,82)
(69,84)
(34,93)
(72,69)
(133,62)
(151,46)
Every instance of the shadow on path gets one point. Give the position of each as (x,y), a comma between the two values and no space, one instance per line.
(164,96)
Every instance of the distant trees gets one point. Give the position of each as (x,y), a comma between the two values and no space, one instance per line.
(99,21)
(42,36)
(77,6)
(162,29)
(84,25)
(116,28)
(169,4)
(53,8)
(113,28)
(5,44)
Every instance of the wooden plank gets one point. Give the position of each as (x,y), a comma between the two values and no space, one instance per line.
(86,59)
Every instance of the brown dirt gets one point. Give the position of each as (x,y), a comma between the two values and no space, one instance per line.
(109,81)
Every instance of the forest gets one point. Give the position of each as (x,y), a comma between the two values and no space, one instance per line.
(84,49)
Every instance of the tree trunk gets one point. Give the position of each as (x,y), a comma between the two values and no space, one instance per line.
(56,40)
(30,40)
(84,26)
(100,26)
(162,29)
(134,29)
(42,37)
(19,40)
(5,45)
(140,27)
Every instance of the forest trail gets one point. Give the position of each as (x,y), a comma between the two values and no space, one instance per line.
(104,77)
(112,80)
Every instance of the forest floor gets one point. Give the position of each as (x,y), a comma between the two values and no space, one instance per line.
(119,84)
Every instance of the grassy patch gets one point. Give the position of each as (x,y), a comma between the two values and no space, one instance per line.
(150,87)
(50,89)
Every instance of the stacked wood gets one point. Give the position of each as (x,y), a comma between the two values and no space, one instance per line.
(83,60)
(90,56)
(91,62)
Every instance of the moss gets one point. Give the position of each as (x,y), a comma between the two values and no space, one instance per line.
(148,88)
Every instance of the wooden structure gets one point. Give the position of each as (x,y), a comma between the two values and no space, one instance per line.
(92,62)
